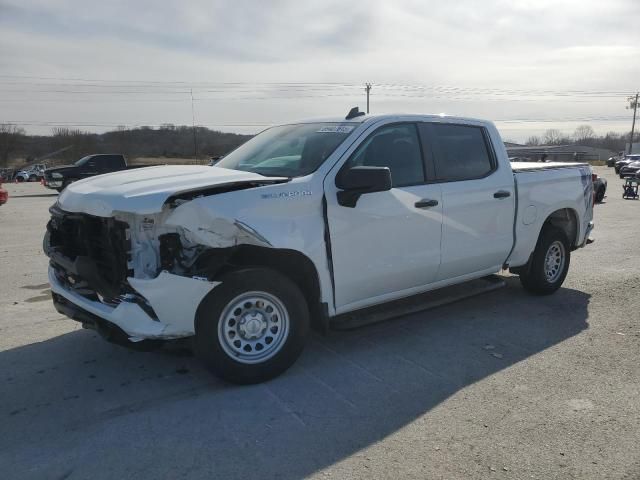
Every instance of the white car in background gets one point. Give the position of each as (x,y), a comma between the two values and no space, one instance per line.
(32,174)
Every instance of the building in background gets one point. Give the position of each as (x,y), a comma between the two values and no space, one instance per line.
(558,153)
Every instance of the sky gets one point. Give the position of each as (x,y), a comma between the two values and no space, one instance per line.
(527,65)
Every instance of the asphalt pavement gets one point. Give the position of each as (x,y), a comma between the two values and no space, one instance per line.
(505,385)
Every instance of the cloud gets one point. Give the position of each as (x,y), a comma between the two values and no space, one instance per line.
(499,44)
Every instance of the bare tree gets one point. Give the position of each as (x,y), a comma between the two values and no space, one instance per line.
(552,136)
(79,143)
(533,141)
(584,134)
(10,138)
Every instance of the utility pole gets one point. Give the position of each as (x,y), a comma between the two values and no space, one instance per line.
(633,103)
(193,120)
(367,88)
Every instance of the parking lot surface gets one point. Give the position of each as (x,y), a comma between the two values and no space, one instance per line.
(506,385)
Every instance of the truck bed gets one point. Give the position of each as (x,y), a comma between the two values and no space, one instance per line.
(543,188)
(529,166)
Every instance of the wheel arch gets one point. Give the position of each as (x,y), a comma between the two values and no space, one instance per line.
(291,263)
(565,219)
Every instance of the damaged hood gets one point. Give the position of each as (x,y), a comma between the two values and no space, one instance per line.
(145,190)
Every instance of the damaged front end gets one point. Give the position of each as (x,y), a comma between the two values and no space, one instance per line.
(145,273)
(132,272)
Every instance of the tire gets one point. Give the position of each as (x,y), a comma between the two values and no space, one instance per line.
(600,195)
(247,297)
(19,179)
(617,170)
(537,276)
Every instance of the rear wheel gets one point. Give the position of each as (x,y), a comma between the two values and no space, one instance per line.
(549,264)
(600,195)
(251,327)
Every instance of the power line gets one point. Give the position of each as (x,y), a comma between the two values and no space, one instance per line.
(288,86)
(266,124)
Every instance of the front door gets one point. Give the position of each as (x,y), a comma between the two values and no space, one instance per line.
(388,245)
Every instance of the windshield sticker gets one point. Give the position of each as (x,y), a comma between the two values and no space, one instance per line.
(336,129)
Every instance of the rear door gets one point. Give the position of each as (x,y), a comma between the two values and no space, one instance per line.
(389,243)
(478,199)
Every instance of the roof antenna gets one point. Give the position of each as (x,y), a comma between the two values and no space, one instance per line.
(353,113)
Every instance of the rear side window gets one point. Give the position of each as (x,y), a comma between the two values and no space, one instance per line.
(396,147)
(115,161)
(462,152)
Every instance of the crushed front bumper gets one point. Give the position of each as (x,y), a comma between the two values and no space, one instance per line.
(173,298)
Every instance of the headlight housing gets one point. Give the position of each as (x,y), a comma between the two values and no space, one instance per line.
(56,175)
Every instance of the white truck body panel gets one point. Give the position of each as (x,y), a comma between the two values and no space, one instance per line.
(383,249)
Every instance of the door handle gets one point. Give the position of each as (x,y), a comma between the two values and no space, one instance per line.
(426,203)
(501,194)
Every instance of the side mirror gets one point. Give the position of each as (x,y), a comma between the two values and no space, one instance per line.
(360,180)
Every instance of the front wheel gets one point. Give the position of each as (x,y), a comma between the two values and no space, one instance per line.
(600,195)
(549,264)
(252,327)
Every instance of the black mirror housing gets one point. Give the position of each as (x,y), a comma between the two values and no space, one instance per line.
(357,181)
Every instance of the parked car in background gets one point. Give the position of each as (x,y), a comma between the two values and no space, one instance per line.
(303,224)
(626,161)
(58,178)
(611,162)
(4,195)
(630,169)
(599,188)
(32,174)
(6,174)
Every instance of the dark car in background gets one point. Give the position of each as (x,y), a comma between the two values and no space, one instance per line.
(630,169)
(611,162)
(626,161)
(58,178)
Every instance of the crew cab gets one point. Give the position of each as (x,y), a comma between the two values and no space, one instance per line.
(57,178)
(303,224)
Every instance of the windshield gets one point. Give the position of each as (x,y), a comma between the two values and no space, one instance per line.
(288,150)
(82,161)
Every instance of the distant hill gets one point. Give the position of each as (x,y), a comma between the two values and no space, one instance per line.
(169,141)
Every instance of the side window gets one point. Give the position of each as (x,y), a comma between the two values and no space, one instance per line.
(396,147)
(114,162)
(461,152)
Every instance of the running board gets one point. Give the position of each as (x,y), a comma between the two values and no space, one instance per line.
(417,303)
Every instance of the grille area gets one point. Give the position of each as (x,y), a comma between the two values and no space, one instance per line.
(89,253)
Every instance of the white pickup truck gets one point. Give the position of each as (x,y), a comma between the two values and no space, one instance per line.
(303,224)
